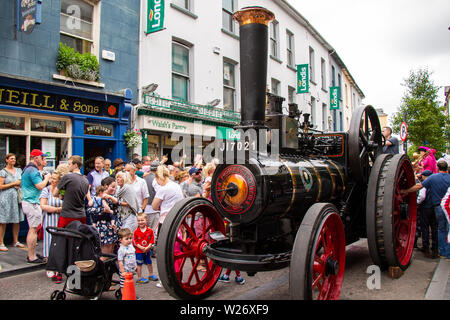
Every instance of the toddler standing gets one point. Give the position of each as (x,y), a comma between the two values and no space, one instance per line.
(126,256)
(143,240)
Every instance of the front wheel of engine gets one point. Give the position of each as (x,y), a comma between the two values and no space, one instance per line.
(318,257)
(185,271)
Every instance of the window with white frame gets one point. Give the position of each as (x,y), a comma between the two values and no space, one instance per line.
(291,94)
(324,117)
(180,71)
(313,110)
(311,65)
(274,40)
(229,85)
(290,49)
(77,24)
(228,9)
(185,4)
(339,85)
(275,84)
(323,74)
(333,76)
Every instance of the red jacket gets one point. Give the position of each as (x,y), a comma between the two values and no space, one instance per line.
(143,238)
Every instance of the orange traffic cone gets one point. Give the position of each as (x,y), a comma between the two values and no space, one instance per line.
(128,291)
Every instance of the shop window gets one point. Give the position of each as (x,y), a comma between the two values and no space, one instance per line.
(45,125)
(21,134)
(229,86)
(153,146)
(77,24)
(12,123)
(180,72)
(13,144)
(99,129)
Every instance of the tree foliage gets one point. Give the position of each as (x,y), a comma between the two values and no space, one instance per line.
(424,116)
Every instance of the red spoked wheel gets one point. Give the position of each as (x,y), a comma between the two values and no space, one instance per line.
(391,217)
(318,258)
(185,271)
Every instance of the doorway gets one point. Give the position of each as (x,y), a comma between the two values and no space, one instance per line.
(93,149)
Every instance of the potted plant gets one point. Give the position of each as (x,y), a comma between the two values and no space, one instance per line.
(65,58)
(133,138)
(76,65)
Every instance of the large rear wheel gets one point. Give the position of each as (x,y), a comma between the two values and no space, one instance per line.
(391,217)
(184,269)
(318,258)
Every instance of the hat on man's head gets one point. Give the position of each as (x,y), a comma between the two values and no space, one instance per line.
(194,170)
(426,173)
(117,162)
(154,165)
(37,153)
(136,161)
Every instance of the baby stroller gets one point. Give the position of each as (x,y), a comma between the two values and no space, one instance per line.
(76,252)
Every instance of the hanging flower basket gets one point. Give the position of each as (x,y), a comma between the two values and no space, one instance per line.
(133,138)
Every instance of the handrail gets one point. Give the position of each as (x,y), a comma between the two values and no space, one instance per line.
(196,110)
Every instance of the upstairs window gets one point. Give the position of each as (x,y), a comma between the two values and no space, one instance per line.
(228,8)
(311,65)
(323,74)
(290,49)
(229,86)
(77,25)
(274,40)
(185,4)
(180,71)
(275,86)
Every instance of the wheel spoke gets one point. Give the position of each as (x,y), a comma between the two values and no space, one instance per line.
(316,281)
(190,231)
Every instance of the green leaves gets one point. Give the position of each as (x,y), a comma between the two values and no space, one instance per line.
(78,66)
(424,117)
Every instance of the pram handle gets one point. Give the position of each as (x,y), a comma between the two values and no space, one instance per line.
(66,232)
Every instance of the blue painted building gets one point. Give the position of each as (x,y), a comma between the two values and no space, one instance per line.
(57,111)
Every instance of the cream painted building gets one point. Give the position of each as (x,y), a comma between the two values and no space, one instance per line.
(194,61)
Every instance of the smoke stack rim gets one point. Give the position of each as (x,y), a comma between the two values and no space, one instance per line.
(255,14)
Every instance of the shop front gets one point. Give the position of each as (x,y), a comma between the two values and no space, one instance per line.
(164,136)
(61,121)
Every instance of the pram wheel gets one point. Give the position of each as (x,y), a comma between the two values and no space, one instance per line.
(54,294)
(58,295)
(118,294)
(61,295)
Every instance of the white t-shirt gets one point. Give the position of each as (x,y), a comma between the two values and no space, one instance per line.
(169,194)
(141,189)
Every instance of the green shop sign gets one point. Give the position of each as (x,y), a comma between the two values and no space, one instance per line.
(225,133)
(155,15)
(302,78)
(334,98)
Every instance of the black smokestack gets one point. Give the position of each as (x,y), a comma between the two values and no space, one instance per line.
(253,35)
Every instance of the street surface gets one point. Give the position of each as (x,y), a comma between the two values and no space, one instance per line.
(263,286)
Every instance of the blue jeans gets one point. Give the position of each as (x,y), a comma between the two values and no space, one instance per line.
(444,247)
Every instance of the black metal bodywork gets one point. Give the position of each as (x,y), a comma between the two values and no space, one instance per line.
(281,169)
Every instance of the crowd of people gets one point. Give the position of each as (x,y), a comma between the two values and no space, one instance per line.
(121,200)
(433,199)
(433,215)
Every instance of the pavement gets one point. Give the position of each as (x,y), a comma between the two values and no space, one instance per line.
(14,262)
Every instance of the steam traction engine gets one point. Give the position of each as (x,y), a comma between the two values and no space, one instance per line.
(290,197)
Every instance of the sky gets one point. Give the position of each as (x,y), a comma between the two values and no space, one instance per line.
(381,41)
